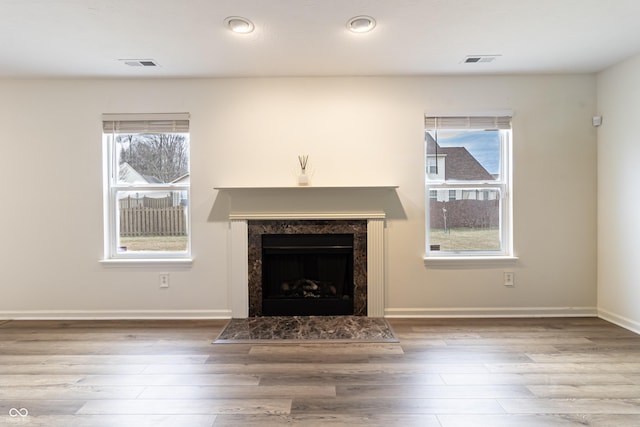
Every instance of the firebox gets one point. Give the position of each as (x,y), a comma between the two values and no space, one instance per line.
(307,274)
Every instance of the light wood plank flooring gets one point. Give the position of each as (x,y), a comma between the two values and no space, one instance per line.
(444,372)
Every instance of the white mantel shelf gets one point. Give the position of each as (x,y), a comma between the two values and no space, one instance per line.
(249,210)
(305,215)
(309,187)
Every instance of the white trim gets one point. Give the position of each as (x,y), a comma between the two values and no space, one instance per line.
(147,262)
(480,312)
(456,261)
(238,283)
(239,268)
(113,314)
(621,321)
(306,215)
(110,217)
(506,206)
(308,187)
(151,187)
(115,117)
(480,113)
(389,313)
(375,267)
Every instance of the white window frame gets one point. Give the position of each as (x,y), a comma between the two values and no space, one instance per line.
(138,123)
(505,184)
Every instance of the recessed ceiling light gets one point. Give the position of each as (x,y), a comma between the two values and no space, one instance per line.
(361,24)
(239,25)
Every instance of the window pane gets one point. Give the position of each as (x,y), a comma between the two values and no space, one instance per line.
(467,223)
(463,155)
(152,221)
(152,158)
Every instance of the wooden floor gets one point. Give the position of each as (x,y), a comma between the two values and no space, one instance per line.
(475,372)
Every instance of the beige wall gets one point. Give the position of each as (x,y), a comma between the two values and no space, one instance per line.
(619,195)
(250,132)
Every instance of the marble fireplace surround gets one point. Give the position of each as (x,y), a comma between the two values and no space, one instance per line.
(276,206)
(358,228)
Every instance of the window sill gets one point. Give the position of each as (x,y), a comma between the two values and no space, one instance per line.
(470,261)
(148,262)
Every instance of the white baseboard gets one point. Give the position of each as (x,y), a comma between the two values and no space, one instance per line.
(621,321)
(114,314)
(389,312)
(492,312)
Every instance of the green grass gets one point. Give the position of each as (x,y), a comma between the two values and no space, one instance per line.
(456,239)
(154,243)
(466,239)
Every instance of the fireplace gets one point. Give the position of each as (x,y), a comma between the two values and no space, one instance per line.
(307,267)
(254,211)
(307,274)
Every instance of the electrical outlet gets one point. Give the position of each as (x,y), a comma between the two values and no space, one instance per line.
(164,280)
(509,279)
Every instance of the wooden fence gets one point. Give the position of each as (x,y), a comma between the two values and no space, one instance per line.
(147,202)
(145,221)
(465,214)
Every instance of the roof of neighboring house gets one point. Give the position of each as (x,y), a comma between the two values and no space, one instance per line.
(152,179)
(184,179)
(459,163)
(128,174)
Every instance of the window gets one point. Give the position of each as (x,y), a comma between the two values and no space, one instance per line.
(468,212)
(146,164)
(433,167)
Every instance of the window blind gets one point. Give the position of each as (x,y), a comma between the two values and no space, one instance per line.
(145,123)
(467,122)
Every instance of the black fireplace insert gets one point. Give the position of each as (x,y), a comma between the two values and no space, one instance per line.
(307,274)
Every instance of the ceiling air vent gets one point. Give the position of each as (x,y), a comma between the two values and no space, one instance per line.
(139,62)
(476,59)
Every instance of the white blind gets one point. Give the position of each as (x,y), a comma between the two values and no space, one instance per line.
(467,122)
(145,123)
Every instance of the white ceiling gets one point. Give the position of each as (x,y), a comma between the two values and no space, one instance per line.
(87,38)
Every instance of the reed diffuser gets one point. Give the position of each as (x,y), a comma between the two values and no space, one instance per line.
(303,178)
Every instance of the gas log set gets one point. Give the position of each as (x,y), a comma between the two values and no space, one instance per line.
(308,288)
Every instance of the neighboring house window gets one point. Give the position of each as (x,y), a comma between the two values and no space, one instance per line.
(146,164)
(432,165)
(471,212)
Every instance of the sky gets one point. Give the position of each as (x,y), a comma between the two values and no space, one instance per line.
(483,145)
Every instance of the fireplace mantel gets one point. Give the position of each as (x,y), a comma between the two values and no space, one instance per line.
(305,202)
(242,204)
(306,215)
(309,187)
